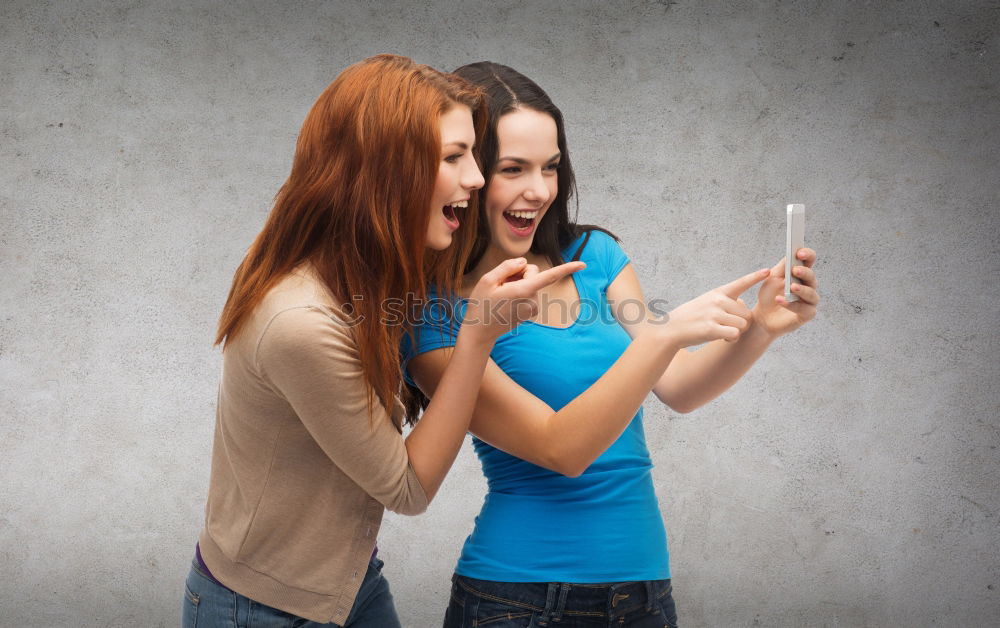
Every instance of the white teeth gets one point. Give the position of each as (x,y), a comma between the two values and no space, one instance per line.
(460,204)
(522,214)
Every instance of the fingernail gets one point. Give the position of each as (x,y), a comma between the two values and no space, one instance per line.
(795,287)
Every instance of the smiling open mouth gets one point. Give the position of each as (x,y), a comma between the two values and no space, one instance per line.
(450,212)
(520,220)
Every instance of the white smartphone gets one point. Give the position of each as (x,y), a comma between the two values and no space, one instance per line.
(794,240)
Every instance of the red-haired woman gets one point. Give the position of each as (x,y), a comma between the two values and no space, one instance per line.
(308,448)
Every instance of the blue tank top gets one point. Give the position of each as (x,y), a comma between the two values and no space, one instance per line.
(537,525)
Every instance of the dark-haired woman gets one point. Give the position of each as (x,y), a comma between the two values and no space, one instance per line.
(570,530)
(308,449)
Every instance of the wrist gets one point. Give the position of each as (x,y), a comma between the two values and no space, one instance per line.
(661,332)
(757,333)
(476,337)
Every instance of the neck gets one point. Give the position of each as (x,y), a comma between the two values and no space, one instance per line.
(493,256)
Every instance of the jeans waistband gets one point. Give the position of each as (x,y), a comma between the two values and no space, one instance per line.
(558,599)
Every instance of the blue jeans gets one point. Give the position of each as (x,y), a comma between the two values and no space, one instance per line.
(208,604)
(647,604)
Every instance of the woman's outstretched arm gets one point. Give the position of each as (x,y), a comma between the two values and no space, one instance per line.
(695,378)
(567,441)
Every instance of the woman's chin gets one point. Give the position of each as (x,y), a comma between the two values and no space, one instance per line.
(438,242)
(516,249)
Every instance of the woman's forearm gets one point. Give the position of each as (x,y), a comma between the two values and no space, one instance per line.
(695,378)
(434,442)
(584,428)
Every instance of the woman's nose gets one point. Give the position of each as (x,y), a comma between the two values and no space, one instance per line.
(537,190)
(472,178)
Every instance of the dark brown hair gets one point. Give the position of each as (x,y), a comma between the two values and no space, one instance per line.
(508,90)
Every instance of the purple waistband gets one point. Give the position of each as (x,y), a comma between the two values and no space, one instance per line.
(203,566)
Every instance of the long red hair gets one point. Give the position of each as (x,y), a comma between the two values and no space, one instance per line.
(357,204)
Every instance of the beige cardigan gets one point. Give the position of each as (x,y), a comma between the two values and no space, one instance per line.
(300,475)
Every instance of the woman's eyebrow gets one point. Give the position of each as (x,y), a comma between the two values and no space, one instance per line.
(520,160)
(461,145)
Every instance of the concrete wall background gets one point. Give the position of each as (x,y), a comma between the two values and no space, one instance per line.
(849,480)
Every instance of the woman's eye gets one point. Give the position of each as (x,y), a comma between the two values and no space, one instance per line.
(453,159)
(511,170)
(553,167)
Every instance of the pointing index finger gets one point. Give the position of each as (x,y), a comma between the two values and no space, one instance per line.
(505,269)
(540,280)
(734,289)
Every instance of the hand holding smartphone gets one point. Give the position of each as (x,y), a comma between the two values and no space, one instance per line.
(794,240)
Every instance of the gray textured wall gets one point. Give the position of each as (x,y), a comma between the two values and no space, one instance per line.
(849,480)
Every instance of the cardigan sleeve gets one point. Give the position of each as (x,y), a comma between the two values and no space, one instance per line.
(311,360)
